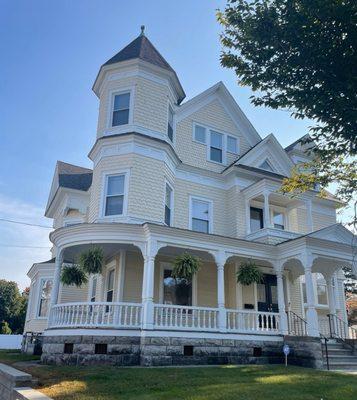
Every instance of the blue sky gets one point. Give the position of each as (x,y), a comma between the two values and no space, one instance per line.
(50,55)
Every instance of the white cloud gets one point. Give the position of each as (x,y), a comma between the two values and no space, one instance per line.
(16,261)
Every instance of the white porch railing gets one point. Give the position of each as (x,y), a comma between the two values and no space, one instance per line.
(252,321)
(89,315)
(169,316)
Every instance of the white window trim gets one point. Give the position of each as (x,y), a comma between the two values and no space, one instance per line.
(171,201)
(111,268)
(166,265)
(210,212)
(173,142)
(89,296)
(41,280)
(111,96)
(269,163)
(224,147)
(237,141)
(193,133)
(105,175)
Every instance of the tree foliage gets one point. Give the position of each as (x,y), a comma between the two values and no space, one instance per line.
(301,55)
(12,306)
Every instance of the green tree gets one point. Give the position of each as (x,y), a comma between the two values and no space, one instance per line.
(301,55)
(5,329)
(12,306)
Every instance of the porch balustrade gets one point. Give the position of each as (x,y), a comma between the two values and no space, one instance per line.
(185,318)
(242,321)
(90,315)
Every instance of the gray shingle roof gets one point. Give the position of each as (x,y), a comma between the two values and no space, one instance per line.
(142,48)
(74,177)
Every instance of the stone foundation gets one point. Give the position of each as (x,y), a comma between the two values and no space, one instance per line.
(147,350)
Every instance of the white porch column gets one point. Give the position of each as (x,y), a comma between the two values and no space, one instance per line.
(330,294)
(222,314)
(267,223)
(247,216)
(56,281)
(310,226)
(281,299)
(148,288)
(311,313)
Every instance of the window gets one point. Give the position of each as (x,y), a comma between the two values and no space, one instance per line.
(200,134)
(176,291)
(68,348)
(121,109)
(93,289)
(266,165)
(114,198)
(168,204)
(232,144)
(278,220)
(216,147)
(45,295)
(256,219)
(200,217)
(110,285)
(170,125)
(321,289)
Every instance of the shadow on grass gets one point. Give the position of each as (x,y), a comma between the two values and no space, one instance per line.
(243,383)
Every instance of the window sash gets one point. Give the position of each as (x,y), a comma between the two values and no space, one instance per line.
(170,124)
(121,107)
(200,134)
(114,196)
(278,220)
(256,219)
(232,145)
(93,290)
(45,296)
(200,225)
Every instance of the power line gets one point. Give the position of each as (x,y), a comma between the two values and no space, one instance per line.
(24,247)
(25,223)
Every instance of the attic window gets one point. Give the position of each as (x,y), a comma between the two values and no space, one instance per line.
(266,165)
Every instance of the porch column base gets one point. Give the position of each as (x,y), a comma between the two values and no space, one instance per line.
(148,315)
(222,318)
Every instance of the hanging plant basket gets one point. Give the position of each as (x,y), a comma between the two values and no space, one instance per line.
(186,266)
(73,275)
(249,273)
(91,261)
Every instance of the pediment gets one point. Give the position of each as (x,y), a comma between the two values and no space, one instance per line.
(335,233)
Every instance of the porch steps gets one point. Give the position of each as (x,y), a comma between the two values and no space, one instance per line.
(340,357)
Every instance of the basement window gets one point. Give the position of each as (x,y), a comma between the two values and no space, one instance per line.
(68,348)
(188,351)
(101,348)
(257,352)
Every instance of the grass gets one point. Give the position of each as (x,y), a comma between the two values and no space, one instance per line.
(197,383)
(12,356)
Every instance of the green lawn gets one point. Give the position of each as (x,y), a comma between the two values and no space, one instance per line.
(197,383)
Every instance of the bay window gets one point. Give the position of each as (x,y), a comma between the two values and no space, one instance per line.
(200,215)
(114,194)
(121,109)
(45,296)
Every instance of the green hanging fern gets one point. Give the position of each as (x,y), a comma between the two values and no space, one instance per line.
(185,266)
(91,261)
(249,273)
(73,275)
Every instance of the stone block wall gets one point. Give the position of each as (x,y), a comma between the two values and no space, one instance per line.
(162,351)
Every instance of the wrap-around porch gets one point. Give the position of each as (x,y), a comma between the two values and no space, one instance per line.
(136,291)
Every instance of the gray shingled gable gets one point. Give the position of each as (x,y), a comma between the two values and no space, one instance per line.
(74,177)
(142,48)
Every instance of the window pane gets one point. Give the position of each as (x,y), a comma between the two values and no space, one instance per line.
(120,117)
(111,280)
(115,185)
(121,101)
(200,134)
(216,140)
(261,293)
(200,209)
(46,290)
(176,291)
(216,155)
(232,144)
(168,196)
(167,216)
(321,294)
(199,225)
(278,220)
(170,132)
(114,205)
(256,219)
(94,289)
(109,298)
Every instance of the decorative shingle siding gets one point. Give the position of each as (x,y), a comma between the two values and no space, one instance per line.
(212,115)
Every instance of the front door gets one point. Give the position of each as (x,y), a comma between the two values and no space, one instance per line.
(268,294)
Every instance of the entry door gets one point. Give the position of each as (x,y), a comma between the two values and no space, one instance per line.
(268,294)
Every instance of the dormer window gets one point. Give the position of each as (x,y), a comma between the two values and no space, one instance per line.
(266,165)
(170,125)
(121,109)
